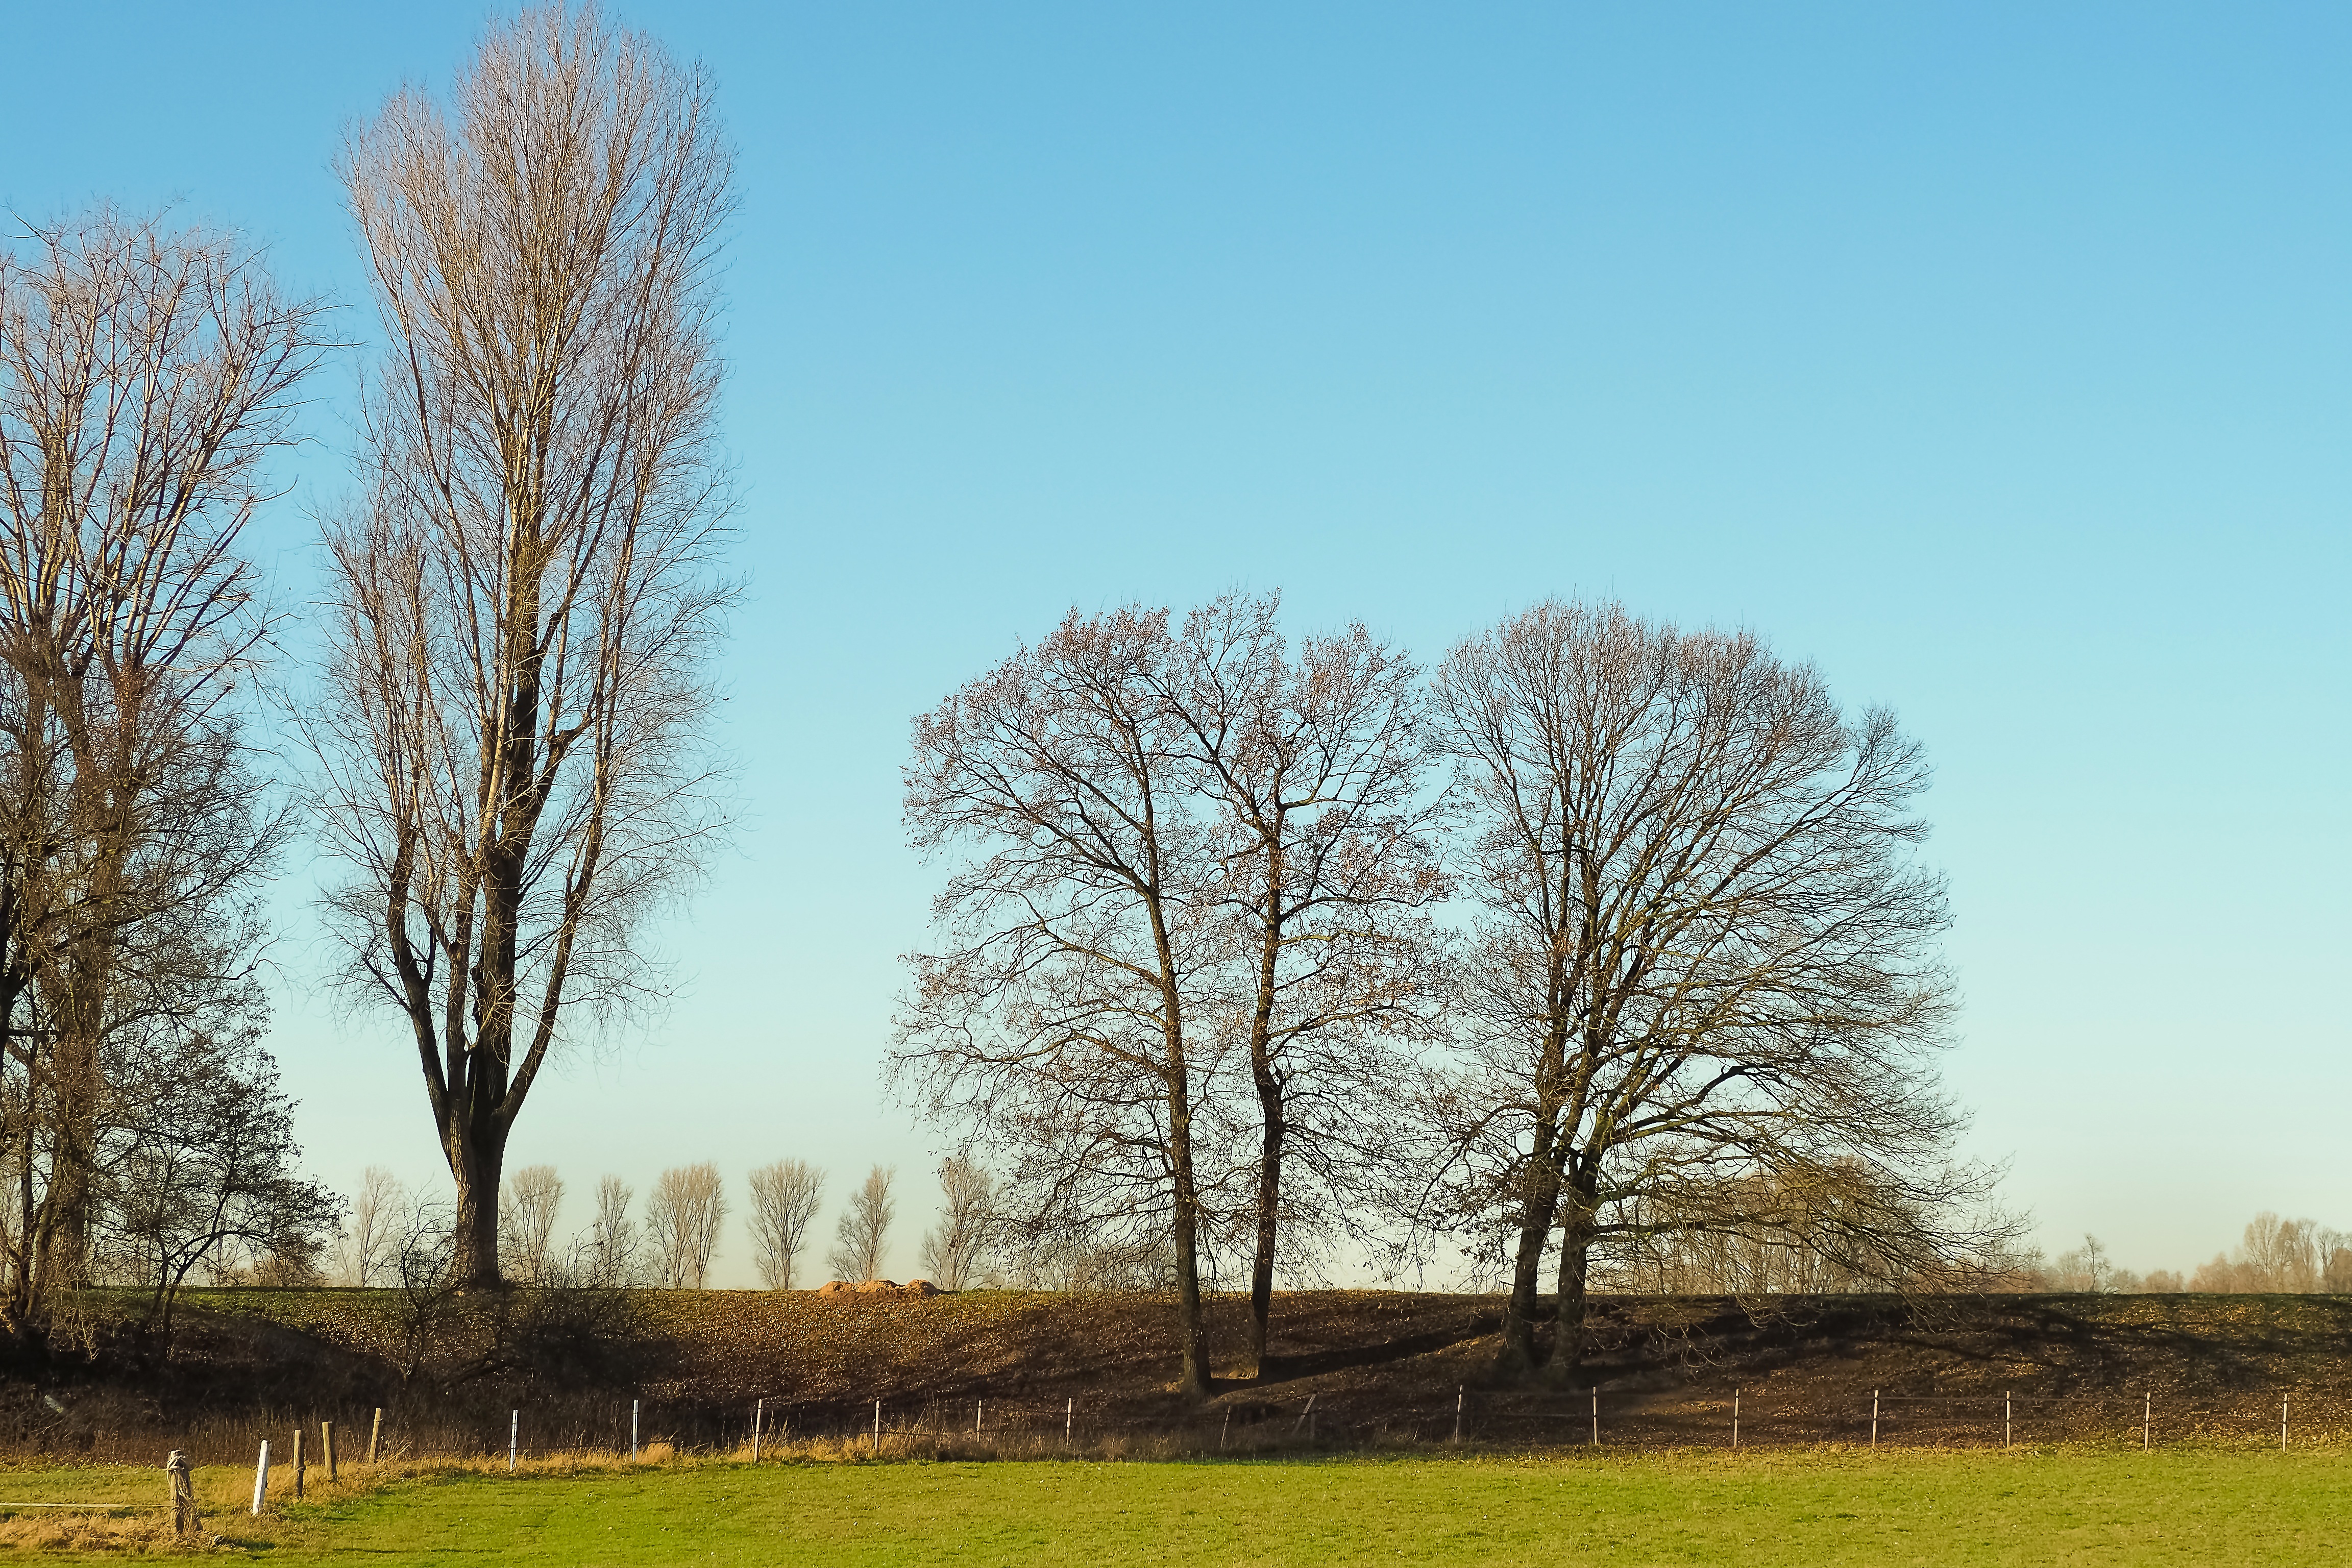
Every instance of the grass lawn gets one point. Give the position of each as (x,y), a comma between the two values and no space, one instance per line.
(2186,1506)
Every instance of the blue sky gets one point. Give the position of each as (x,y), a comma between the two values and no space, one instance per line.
(1994,356)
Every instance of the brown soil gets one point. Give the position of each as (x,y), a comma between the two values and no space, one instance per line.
(1379,1367)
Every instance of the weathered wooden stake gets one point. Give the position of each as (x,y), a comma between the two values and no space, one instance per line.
(180,1474)
(376,1431)
(297,1464)
(2146,1418)
(261,1478)
(326,1446)
(975,1412)
(1874,1418)
(758,1418)
(2282,1422)
(1459,1391)
(878,1426)
(1596,1415)
(1297,1426)
(2004,1417)
(1735,1418)
(1070,1421)
(514,1431)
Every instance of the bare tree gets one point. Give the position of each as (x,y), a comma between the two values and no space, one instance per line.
(1080,930)
(863,1235)
(612,1252)
(682,1219)
(147,377)
(784,1198)
(1706,975)
(198,1169)
(2085,1269)
(362,1252)
(522,603)
(955,1251)
(1326,846)
(526,1222)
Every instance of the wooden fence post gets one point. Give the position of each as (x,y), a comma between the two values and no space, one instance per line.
(374,1432)
(1874,1418)
(326,1446)
(758,1418)
(1070,1422)
(2146,1418)
(633,1431)
(514,1431)
(1735,1418)
(179,1472)
(1596,1415)
(261,1478)
(297,1464)
(877,1426)
(2004,1417)
(1459,1390)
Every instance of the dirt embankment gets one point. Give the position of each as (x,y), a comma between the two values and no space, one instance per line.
(1378,1366)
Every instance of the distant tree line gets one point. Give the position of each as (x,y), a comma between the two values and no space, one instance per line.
(2275,1256)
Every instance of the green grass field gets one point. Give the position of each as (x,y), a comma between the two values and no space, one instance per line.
(1812,1508)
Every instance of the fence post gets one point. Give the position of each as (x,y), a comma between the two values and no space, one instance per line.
(1459,1390)
(759,1420)
(2282,1422)
(297,1464)
(327,1443)
(514,1431)
(633,1431)
(184,1519)
(877,1426)
(1226,1430)
(1303,1416)
(375,1430)
(1735,1418)
(975,1412)
(1596,1415)
(2146,1418)
(2004,1418)
(1069,1421)
(1874,1418)
(261,1478)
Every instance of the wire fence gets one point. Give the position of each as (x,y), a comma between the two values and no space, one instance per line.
(1243,1422)
(1728,1419)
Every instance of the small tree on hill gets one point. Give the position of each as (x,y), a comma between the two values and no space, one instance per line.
(864,1233)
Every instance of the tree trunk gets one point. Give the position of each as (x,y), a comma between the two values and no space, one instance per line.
(1192,1329)
(476,1149)
(1575,1262)
(1269,1200)
(1540,1201)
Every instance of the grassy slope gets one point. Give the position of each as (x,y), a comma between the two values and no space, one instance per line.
(1823,1508)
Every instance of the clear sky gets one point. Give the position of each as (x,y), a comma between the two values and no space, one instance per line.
(1997,357)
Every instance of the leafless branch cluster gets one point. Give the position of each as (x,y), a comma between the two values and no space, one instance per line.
(863,1234)
(784,1198)
(682,1214)
(1193,991)
(147,376)
(511,753)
